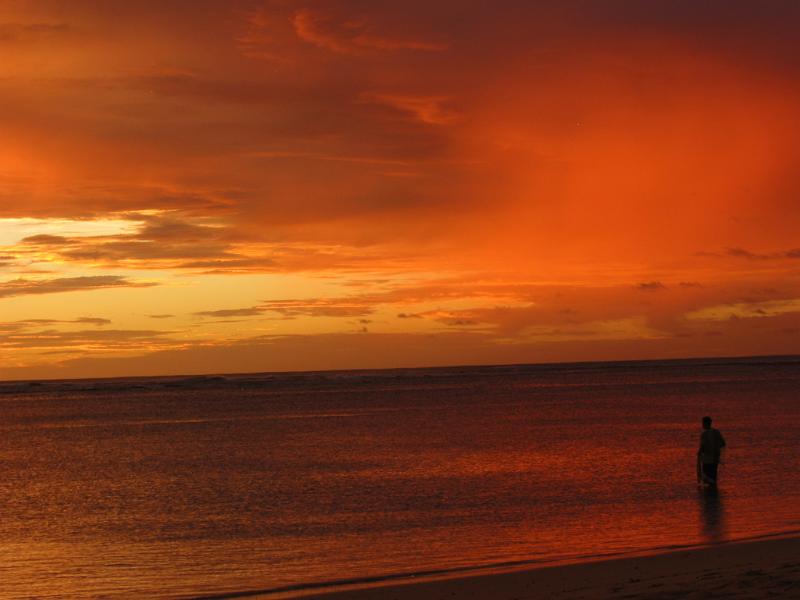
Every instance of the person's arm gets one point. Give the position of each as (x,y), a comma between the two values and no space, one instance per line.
(721,439)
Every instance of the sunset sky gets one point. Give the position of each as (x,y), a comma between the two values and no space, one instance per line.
(204,186)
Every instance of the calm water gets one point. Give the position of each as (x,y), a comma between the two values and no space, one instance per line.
(181,487)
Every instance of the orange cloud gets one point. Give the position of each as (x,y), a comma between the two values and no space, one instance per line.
(24,287)
(428,109)
(615,181)
(351,36)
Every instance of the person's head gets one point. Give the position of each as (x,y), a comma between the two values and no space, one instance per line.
(706,422)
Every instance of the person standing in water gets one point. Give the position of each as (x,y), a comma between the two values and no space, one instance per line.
(708,455)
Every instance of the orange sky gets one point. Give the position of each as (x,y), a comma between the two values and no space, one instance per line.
(221,186)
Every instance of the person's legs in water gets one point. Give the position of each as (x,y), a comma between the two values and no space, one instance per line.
(710,473)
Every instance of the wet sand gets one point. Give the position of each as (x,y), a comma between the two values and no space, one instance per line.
(767,568)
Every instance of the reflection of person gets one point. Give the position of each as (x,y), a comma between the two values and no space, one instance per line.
(708,455)
(712,514)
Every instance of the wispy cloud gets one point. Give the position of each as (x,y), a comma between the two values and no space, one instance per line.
(651,286)
(23,287)
(153,240)
(430,109)
(736,252)
(97,340)
(81,320)
(352,35)
(232,312)
(30,32)
(335,307)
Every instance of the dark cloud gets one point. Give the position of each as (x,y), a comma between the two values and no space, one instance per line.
(650,286)
(45,240)
(323,307)
(231,266)
(742,253)
(460,322)
(23,287)
(169,239)
(105,339)
(737,252)
(84,320)
(115,252)
(232,312)
(93,320)
(351,34)
(170,229)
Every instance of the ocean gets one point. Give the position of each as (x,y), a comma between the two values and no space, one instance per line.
(183,487)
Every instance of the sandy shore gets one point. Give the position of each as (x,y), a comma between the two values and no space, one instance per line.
(755,569)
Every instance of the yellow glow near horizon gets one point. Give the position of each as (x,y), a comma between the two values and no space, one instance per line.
(746,310)
(13,230)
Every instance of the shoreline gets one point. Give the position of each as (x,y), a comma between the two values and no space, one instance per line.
(756,567)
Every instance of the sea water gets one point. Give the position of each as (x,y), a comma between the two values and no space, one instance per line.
(182,487)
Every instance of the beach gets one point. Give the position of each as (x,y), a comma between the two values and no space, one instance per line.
(764,568)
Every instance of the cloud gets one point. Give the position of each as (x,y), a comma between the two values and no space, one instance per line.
(84,320)
(94,340)
(45,240)
(93,320)
(451,318)
(651,286)
(742,253)
(352,35)
(492,167)
(323,307)
(257,39)
(232,312)
(160,240)
(427,109)
(750,310)
(794,253)
(164,316)
(30,32)
(23,287)
(376,350)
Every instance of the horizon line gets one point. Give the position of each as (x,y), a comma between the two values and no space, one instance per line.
(788,358)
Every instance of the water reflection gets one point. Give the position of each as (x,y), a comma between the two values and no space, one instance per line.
(712,514)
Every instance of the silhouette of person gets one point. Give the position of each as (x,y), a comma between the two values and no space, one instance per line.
(708,455)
